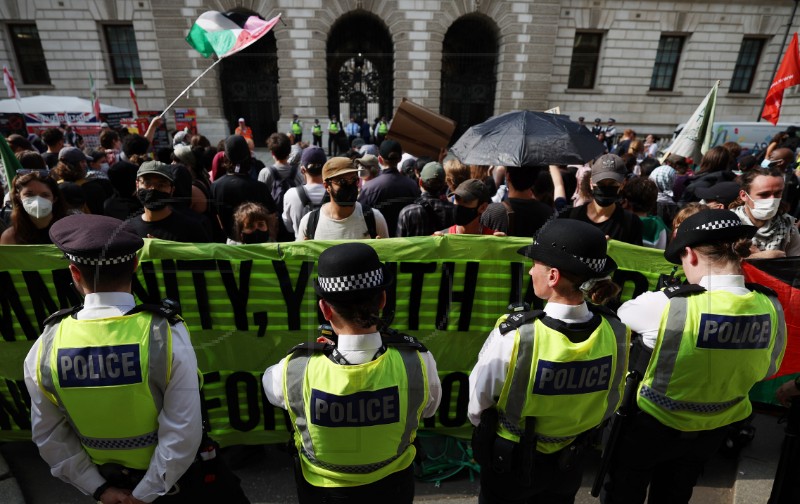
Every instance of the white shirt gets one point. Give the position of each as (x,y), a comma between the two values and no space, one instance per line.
(350,228)
(643,314)
(293,205)
(357,349)
(487,377)
(179,422)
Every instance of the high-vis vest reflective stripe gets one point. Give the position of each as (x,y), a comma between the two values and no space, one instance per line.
(567,387)
(108,377)
(296,128)
(333,127)
(712,348)
(383,128)
(316,130)
(355,425)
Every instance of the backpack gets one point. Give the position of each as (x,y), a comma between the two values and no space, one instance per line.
(308,206)
(313,221)
(281,185)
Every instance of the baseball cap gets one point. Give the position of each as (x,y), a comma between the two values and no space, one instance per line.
(722,192)
(336,166)
(391,150)
(313,156)
(368,160)
(72,155)
(432,171)
(156,168)
(609,166)
(241,119)
(471,190)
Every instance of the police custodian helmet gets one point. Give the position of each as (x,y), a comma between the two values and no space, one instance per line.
(573,246)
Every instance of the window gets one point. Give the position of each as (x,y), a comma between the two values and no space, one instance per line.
(30,56)
(746,64)
(122,54)
(667,59)
(585,55)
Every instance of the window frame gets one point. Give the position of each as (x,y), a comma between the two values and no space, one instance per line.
(112,57)
(753,70)
(674,65)
(23,60)
(582,64)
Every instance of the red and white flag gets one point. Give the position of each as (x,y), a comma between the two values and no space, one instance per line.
(788,75)
(11,86)
(95,99)
(133,98)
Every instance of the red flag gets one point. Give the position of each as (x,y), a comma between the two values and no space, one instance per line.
(133,97)
(11,86)
(788,75)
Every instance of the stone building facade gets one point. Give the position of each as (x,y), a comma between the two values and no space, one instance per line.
(466,58)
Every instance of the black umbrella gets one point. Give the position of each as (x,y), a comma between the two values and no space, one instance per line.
(525,138)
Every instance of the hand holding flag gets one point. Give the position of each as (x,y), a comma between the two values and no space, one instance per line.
(788,75)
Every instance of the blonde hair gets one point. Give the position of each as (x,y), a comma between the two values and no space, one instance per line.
(456,172)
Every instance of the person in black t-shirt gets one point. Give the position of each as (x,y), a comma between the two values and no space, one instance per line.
(604,211)
(520,214)
(154,188)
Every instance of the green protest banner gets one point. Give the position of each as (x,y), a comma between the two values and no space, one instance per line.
(246,306)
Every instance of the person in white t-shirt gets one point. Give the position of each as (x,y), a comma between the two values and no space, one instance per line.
(343,217)
(299,200)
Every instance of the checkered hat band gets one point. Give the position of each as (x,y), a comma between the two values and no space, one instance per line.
(105,261)
(594,264)
(720,224)
(360,281)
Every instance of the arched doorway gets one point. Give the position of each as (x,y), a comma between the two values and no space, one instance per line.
(360,68)
(249,85)
(469,71)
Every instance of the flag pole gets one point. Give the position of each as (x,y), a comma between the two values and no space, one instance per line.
(778,59)
(161,115)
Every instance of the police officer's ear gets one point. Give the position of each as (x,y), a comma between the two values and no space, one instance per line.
(325,308)
(383,300)
(76,274)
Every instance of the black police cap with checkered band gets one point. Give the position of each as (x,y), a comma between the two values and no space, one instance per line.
(349,271)
(95,240)
(707,226)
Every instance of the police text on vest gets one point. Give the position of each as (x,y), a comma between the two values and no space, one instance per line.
(734,332)
(362,409)
(99,366)
(576,377)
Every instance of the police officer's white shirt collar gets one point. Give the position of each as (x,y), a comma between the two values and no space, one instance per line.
(359,348)
(571,314)
(106,304)
(731,283)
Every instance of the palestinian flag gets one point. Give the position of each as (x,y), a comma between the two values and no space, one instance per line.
(227,33)
(782,276)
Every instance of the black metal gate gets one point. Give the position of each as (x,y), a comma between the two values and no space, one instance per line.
(360,68)
(469,72)
(249,85)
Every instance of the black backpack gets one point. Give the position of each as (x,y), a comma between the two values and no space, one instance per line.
(281,185)
(308,206)
(313,221)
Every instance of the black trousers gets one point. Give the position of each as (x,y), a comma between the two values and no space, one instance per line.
(397,488)
(667,460)
(317,140)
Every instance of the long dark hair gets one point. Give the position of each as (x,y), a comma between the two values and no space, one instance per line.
(25,230)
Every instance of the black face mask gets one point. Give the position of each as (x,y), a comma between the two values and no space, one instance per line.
(152,199)
(346,194)
(465,215)
(256,236)
(605,196)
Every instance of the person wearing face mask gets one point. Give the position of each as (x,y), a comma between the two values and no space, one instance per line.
(154,189)
(73,166)
(36,204)
(759,204)
(604,210)
(472,198)
(343,217)
(250,224)
(784,160)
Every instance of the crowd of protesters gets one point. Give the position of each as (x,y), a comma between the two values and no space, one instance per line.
(199,192)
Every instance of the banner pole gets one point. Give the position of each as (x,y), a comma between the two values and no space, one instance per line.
(161,115)
(778,60)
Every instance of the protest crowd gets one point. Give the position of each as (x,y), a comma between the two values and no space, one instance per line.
(676,364)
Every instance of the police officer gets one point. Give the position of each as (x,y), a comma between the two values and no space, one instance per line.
(115,406)
(712,340)
(316,133)
(381,130)
(334,129)
(297,129)
(355,405)
(546,379)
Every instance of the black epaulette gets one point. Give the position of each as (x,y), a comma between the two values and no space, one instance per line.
(60,314)
(761,289)
(602,310)
(169,309)
(683,290)
(396,339)
(310,348)
(517,320)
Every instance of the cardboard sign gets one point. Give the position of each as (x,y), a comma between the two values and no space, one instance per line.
(420,131)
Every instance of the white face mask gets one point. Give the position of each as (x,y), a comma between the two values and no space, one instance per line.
(764,209)
(37,207)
